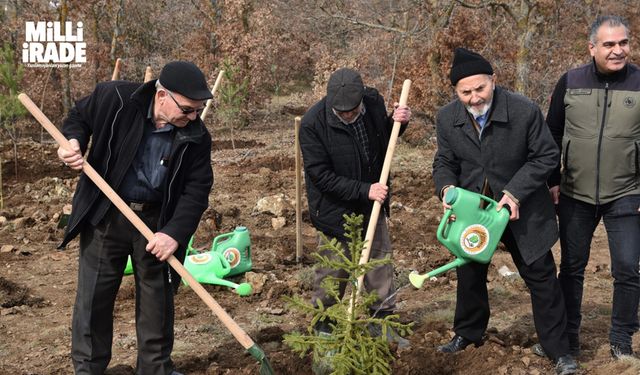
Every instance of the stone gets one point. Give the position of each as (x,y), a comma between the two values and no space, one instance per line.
(7,248)
(278,222)
(257,281)
(274,204)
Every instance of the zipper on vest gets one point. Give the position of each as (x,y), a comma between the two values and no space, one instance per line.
(599,151)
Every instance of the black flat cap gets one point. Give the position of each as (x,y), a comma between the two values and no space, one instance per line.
(186,79)
(468,63)
(345,90)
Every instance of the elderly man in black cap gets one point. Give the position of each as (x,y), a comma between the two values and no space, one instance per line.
(494,142)
(344,140)
(149,144)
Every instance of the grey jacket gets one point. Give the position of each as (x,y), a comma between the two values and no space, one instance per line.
(516,154)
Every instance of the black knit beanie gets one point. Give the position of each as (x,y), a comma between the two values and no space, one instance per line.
(468,63)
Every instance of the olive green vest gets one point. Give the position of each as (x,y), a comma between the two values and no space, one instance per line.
(601,143)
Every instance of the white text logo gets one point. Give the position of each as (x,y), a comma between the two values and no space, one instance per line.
(54,44)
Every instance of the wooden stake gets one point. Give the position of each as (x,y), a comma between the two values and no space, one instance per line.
(213,93)
(116,70)
(148,74)
(298,154)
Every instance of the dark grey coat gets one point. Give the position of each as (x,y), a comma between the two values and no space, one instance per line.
(516,154)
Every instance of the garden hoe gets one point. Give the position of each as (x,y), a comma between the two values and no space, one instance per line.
(225,318)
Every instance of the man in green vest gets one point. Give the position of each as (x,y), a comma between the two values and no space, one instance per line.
(594,117)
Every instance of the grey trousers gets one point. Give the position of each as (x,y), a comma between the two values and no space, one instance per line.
(378,280)
(103,256)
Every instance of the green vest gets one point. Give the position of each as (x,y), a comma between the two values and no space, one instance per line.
(601,142)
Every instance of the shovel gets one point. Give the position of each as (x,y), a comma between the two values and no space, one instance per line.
(225,318)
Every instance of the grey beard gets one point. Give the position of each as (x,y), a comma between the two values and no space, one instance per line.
(475,113)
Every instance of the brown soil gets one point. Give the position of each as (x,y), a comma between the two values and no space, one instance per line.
(37,281)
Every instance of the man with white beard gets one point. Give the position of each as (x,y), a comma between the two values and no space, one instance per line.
(495,142)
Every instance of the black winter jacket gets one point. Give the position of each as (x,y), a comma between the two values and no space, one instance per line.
(337,176)
(108,117)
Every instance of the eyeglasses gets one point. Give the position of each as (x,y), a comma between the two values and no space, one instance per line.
(185,110)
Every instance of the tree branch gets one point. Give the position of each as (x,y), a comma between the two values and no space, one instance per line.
(487,4)
(358,22)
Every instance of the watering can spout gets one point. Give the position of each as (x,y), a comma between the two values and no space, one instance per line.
(417,279)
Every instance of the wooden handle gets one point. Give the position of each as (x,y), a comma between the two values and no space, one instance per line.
(298,191)
(148,74)
(384,176)
(213,93)
(231,325)
(116,70)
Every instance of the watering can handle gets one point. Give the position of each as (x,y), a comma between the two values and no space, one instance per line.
(491,203)
(190,248)
(444,224)
(225,262)
(218,238)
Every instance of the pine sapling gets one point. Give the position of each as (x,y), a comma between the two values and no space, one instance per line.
(358,342)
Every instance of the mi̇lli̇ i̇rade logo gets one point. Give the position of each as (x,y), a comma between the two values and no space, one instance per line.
(53,44)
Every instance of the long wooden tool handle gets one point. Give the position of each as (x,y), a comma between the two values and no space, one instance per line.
(298,190)
(233,327)
(116,70)
(384,176)
(213,93)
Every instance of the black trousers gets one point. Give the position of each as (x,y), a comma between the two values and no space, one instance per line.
(549,314)
(103,256)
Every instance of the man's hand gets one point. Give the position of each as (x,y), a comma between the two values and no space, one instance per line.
(378,192)
(162,246)
(445,206)
(402,113)
(513,207)
(71,158)
(554,191)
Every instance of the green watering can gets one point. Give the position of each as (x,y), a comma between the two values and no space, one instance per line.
(211,267)
(230,255)
(472,236)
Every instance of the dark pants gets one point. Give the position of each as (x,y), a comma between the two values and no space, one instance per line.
(103,256)
(472,307)
(578,221)
(378,280)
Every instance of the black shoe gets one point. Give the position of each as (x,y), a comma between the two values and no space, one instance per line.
(566,365)
(456,344)
(574,347)
(375,330)
(538,350)
(619,350)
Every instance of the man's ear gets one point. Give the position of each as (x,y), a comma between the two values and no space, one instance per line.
(592,49)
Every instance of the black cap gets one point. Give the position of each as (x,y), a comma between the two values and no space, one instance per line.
(186,79)
(468,63)
(345,90)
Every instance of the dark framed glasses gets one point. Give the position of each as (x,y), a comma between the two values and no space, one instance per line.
(185,110)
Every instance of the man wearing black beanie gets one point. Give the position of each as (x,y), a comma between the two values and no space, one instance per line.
(495,142)
(149,143)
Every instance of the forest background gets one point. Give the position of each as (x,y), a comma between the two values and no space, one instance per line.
(277,47)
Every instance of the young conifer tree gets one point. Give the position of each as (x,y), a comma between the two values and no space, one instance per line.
(352,347)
